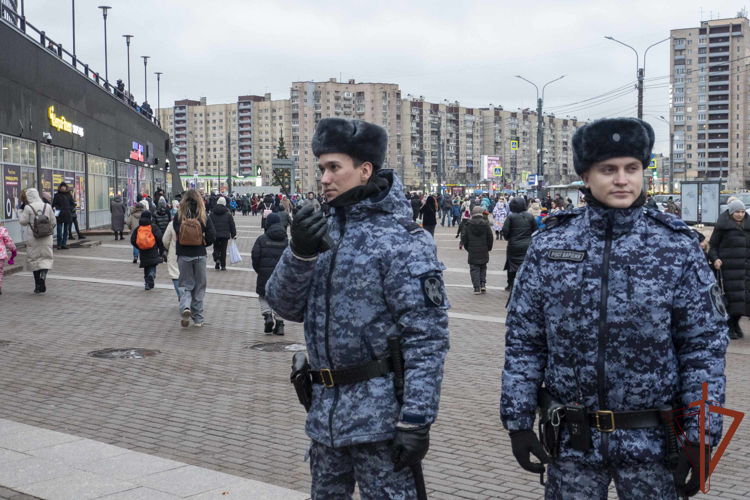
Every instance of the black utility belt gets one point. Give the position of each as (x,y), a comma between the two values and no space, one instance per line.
(353,374)
(608,421)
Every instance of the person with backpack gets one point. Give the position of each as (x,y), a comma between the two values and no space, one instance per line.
(133,223)
(8,251)
(40,218)
(232,206)
(147,238)
(162,217)
(455,213)
(466,208)
(225,230)
(265,255)
(266,208)
(194,232)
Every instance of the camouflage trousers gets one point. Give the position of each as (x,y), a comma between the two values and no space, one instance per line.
(569,481)
(335,470)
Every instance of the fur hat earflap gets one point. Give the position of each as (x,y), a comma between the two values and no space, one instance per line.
(356,138)
(612,138)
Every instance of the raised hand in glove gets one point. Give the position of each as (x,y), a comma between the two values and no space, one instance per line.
(410,446)
(309,232)
(524,443)
(689,463)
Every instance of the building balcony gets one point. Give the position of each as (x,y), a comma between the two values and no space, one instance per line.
(719,101)
(718,120)
(718,44)
(718,82)
(361,110)
(338,110)
(718,130)
(718,72)
(718,92)
(724,140)
(718,150)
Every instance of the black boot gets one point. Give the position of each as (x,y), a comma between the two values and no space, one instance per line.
(36,282)
(733,325)
(483,287)
(43,280)
(279,328)
(268,323)
(497,235)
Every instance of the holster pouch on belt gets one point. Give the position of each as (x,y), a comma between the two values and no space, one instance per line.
(576,416)
(301,379)
(551,412)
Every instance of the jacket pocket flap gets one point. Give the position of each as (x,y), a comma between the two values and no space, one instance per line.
(420,268)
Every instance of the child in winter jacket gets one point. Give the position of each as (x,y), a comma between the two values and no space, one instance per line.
(7,252)
(265,256)
(147,239)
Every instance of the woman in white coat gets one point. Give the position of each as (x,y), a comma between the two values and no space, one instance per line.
(170,243)
(499,215)
(38,250)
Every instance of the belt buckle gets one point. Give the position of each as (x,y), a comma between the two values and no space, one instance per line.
(599,423)
(330,377)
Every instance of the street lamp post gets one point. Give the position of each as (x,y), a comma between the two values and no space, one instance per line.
(127,41)
(540,127)
(640,72)
(671,154)
(158,91)
(145,77)
(105,8)
(74,31)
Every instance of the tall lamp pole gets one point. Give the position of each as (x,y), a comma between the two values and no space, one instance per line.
(158,91)
(540,127)
(74,29)
(640,72)
(145,77)
(671,153)
(105,8)
(127,41)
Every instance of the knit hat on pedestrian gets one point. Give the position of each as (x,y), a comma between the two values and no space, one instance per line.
(356,138)
(272,219)
(477,210)
(612,138)
(221,201)
(146,216)
(144,204)
(734,206)
(162,203)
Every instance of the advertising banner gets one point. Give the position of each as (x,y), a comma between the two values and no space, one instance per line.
(80,193)
(58,176)
(11,190)
(489,163)
(47,177)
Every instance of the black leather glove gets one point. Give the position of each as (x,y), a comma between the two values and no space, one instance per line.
(524,443)
(409,447)
(309,229)
(689,463)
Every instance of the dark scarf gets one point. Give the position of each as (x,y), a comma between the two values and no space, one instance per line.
(374,186)
(590,200)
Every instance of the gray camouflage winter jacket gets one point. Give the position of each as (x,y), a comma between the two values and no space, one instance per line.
(635,315)
(382,278)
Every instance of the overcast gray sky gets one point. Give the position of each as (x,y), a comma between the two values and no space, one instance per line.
(467,51)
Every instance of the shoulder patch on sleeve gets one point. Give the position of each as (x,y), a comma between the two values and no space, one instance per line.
(670,220)
(558,219)
(410,226)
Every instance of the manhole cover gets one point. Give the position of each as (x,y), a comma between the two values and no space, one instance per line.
(127,353)
(4,343)
(277,347)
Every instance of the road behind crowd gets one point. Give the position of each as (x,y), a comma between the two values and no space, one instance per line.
(213,400)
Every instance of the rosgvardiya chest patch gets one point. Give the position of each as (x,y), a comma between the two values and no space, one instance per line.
(570,255)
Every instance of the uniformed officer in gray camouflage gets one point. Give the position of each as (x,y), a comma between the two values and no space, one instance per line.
(382,278)
(614,308)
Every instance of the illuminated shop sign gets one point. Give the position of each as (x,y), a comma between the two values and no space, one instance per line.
(60,123)
(137,152)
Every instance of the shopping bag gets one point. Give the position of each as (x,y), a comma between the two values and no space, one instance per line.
(234,253)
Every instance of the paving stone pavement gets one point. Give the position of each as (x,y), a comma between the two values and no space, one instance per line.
(212,401)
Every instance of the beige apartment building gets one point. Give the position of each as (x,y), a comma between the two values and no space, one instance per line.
(378,103)
(709,103)
(271,121)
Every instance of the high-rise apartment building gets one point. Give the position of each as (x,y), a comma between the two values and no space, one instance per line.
(378,103)
(272,121)
(709,116)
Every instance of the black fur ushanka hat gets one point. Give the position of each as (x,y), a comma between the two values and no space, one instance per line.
(356,138)
(612,138)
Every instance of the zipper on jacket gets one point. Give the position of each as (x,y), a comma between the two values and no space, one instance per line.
(600,372)
(342,230)
(630,276)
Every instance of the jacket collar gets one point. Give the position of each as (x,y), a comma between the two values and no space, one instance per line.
(622,219)
(391,200)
